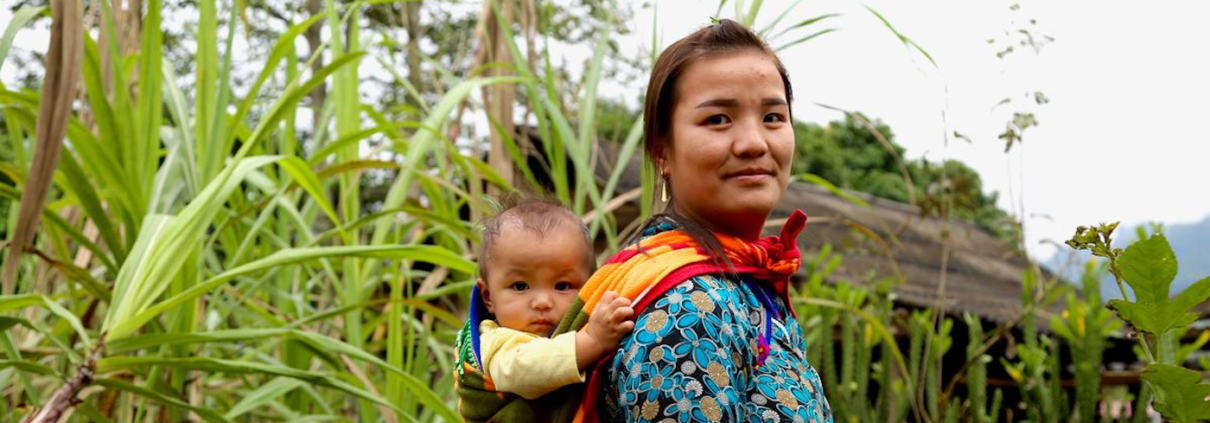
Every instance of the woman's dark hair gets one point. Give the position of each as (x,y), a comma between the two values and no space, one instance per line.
(725,36)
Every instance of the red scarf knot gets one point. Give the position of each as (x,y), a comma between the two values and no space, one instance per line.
(772,259)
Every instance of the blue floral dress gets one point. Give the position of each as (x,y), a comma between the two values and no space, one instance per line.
(694,357)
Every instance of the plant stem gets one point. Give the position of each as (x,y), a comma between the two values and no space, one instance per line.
(1117,277)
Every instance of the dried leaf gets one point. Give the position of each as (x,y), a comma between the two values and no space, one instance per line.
(63,60)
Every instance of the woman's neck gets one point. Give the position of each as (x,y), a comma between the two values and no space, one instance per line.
(744,229)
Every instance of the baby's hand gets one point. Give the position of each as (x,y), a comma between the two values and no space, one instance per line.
(611,320)
(607,324)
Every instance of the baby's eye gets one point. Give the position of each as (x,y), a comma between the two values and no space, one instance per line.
(564,286)
(775,117)
(718,120)
(519,286)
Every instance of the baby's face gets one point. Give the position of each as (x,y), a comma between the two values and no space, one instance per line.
(533,278)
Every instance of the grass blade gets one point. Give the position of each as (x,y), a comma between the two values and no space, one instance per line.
(425,253)
(203,412)
(19,20)
(262,395)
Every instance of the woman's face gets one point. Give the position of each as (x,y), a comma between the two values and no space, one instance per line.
(732,141)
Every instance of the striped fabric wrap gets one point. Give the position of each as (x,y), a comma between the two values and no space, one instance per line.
(642,272)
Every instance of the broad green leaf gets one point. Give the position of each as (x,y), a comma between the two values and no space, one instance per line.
(1180,394)
(157,257)
(1194,295)
(1155,318)
(1149,266)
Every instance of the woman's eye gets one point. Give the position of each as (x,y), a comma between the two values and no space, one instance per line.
(774,117)
(564,286)
(717,120)
(519,286)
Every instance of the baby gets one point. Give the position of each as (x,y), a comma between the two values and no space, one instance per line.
(536,256)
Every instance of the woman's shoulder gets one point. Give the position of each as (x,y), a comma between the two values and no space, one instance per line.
(709,294)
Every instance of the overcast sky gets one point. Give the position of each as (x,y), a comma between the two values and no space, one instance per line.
(1120,139)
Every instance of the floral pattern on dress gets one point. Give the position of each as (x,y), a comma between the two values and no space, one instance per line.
(694,357)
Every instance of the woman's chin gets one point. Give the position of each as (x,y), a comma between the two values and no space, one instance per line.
(755,203)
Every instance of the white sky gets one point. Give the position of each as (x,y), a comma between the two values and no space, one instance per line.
(1119,141)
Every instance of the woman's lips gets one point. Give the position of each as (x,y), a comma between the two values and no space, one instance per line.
(750,178)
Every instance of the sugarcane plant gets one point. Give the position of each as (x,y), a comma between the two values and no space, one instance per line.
(1158,320)
(1085,324)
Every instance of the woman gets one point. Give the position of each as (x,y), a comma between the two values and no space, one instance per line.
(720,346)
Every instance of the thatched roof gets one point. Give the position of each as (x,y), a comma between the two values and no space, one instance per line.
(983,273)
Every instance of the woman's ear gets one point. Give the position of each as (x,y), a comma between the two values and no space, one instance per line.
(486,295)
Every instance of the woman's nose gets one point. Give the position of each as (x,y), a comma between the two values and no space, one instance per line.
(749,140)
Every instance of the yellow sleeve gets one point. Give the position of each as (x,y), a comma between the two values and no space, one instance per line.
(526,364)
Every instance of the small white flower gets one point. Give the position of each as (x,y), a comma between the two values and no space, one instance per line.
(695,387)
(675,297)
(689,368)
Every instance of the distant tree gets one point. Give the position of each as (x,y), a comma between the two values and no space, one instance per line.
(850,156)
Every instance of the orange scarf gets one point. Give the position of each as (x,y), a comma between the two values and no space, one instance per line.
(644,271)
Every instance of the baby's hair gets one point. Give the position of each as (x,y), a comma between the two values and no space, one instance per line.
(538,214)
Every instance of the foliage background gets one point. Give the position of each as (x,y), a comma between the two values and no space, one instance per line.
(265,211)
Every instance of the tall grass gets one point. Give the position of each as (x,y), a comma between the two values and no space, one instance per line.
(190,243)
(200,254)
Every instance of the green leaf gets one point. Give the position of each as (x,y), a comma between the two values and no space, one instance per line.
(832,188)
(419,147)
(162,339)
(425,253)
(28,366)
(1149,266)
(203,412)
(1179,393)
(19,20)
(13,302)
(215,365)
(1194,295)
(305,177)
(262,395)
